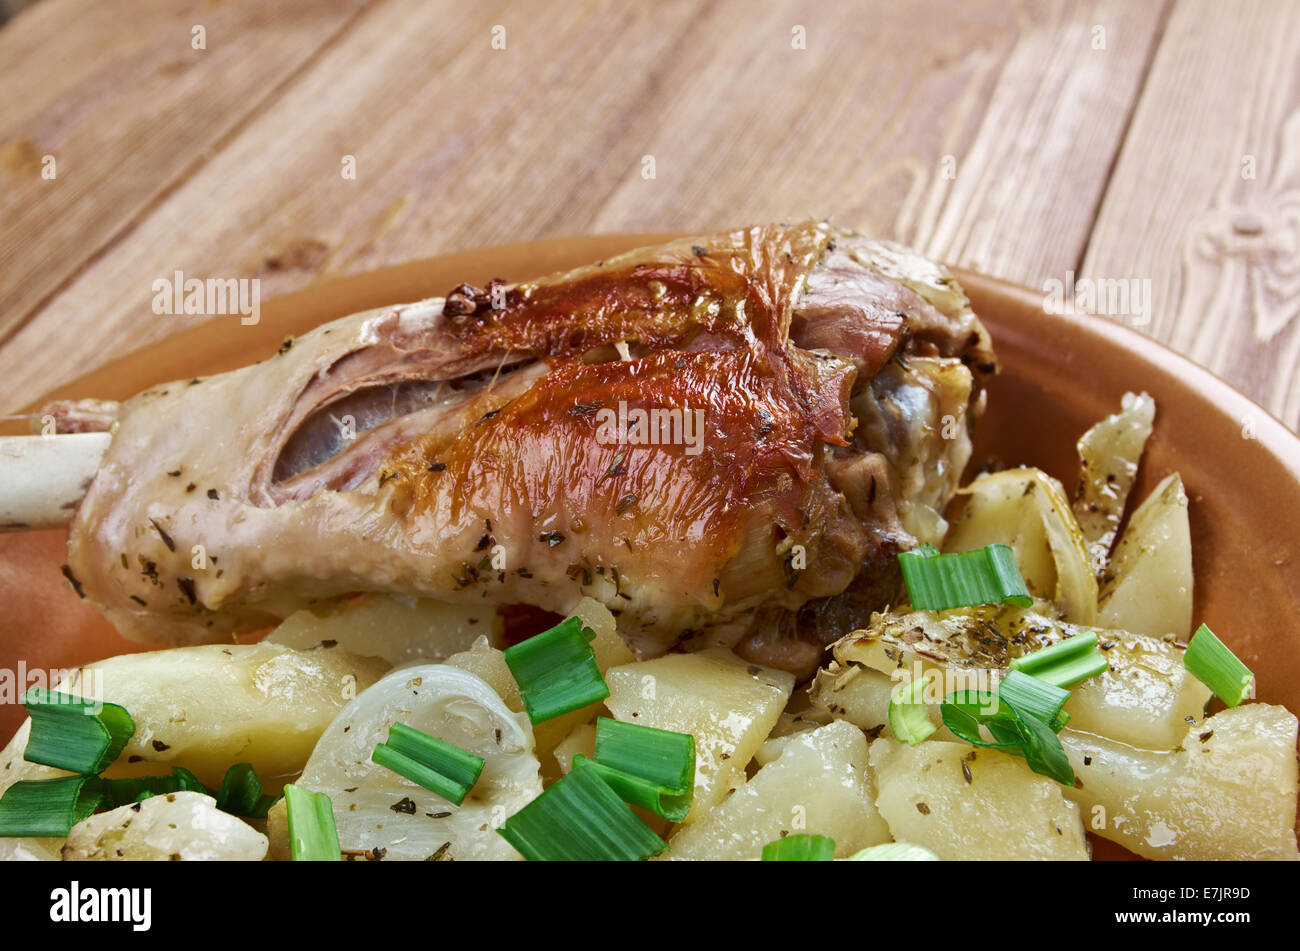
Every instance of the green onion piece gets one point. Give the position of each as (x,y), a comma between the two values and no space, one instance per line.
(965,711)
(1044,657)
(894,852)
(1066,662)
(1013,731)
(648,767)
(48,807)
(1037,698)
(987,575)
(908,719)
(1210,661)
(800,847)
(430,762)
(660,756)
(556,671)
(580,819)
(122,792)
(1043,752)
(75,733)
(313,836)
(241,793)
(639,791)
(1071,671)
(187,781)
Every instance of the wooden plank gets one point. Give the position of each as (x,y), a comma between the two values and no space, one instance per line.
(1220,248)
(458,144)
(118,96)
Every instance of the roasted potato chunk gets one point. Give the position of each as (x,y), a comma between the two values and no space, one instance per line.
(1148,587)
(171,827)
(964,803)
(819,784)
(729,707)
(1229,792)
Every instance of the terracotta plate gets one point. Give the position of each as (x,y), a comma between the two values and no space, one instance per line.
(1241,467)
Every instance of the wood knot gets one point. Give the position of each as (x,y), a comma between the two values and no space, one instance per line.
(1247,224)
(298,255)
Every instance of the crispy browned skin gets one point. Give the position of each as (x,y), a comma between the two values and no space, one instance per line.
(454,448)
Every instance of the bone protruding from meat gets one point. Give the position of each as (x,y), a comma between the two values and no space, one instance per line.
(42,478)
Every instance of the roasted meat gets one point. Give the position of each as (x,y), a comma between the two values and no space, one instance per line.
(725,439)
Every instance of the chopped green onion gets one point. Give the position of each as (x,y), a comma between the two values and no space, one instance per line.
(800,847)
(1037,698)
(241,793)
(116,795)
(313,836)
(48,807)
(187,781)
(240,790)
(556,671)
(432,763)
(1066,662)
(1013,731)
(639,791)
(122,792)
(74,733)
(894,852)
(1044,657)
(580,818)
(1210,661)
(660,756)
(1071,671)
(965,711)
(987,575)
(908,719)
(648,767)
(1043,751)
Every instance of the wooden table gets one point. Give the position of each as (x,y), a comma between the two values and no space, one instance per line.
(1156,142)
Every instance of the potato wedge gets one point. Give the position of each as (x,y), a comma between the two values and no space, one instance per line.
(855,693)
(610,649)
(1148,587)
(861,696)
(399,628)
(210,706)
(1109,454)
(1143,699)
(1146,697)
(173,827)
(489,664)
(800,716)
(819,784)
(1229,792)
(206,708)
(964,803)
(1027,510)
(581,739)
(729,706)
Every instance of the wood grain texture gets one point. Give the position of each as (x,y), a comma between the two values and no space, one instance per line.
(982,132)
(118,96)
(1205,198)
